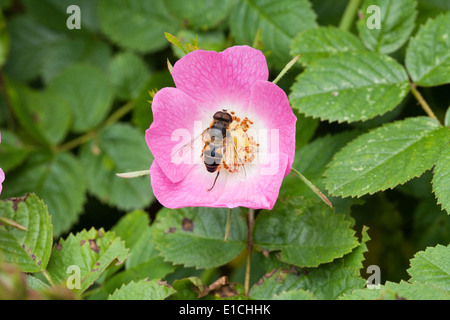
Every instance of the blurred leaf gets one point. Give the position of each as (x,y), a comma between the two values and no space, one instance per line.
(323,42)
(87,91)
(12,151)
(53,13)
(30,250)
(58,179)
(200,14)
(4,40)
(143,290)
(350,87)
(397,19)
(386,156)
(118,148)
(430,225)
(136,24)
(135,229)
(432,266)
(306,232)
(68,51)
(305,129)
(128,74)
(279,20)
(29,42)
(194,236)
(142,112)
(329,12)
(441,178)
(44,115)
(430,67)
(91,251)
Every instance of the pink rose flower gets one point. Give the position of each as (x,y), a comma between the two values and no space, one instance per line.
(262,127)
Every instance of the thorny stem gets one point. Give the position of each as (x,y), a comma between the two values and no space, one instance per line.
(228,227)
(251,222)
(422,102)
(286,68)
(349,15)
(113,118)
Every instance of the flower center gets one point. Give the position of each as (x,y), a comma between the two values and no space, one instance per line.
(245,145)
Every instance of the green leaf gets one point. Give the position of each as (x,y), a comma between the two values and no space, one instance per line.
(68,51)
(88,93)
(91,251)
(279,21)
(185,288)
(428,53)
(44,115)
(30,250)
(386,157)
(58,179)
(136,24)
(12,151)
(307,232)
(400,291)
(194,236)
(323,42)
(118,148)
(298,294)
(129,74)
(350,87)
(432,266)
(397,19)
(325,283)
(142,112)
(29,42)
(143,290)
(441,178)
(199,14)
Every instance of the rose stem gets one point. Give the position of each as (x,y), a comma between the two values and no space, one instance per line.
(422,102)
(251,218)
(349,15)
(228,227)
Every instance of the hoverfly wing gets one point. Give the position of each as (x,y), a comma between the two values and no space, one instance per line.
(232,157)
(180,152)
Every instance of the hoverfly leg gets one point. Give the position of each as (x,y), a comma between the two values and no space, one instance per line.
(218,171)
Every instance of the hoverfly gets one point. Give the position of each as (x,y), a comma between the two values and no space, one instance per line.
(219,148)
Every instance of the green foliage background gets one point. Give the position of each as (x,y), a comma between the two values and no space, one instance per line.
(73,111)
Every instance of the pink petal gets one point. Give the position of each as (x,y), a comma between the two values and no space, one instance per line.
(173,111)
(270,105)
(220,80)
(258,191)
(2,178)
